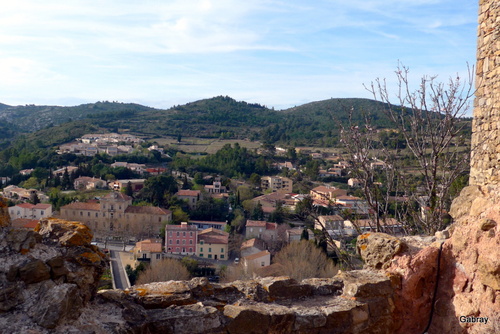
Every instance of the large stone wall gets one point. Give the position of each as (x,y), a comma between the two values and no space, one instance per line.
(485,160)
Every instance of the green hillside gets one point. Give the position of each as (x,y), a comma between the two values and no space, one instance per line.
(315,123)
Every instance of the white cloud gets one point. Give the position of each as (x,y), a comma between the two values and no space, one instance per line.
(170,50)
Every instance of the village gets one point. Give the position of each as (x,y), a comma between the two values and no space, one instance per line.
(215,220)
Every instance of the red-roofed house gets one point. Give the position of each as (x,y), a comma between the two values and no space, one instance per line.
(149,250)
(191,196)
(181,239)
(115,216)
(252,246)
(261,259)
(212,244)
(261,229)
(25,223)
(327,193)
(30,211)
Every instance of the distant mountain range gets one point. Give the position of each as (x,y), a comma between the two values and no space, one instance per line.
(314,123)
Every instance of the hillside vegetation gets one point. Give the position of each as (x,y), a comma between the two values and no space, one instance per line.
(312,124)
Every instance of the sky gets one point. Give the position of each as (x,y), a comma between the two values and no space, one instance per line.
(279,53)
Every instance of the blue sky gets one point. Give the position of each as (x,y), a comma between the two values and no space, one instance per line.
(276,53)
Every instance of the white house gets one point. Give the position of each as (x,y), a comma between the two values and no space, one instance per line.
(30,211)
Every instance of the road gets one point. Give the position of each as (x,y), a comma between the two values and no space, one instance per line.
(119,275)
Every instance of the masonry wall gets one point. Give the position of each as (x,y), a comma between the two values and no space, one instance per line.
(485,160)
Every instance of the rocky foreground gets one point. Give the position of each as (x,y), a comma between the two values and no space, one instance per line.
(49,279)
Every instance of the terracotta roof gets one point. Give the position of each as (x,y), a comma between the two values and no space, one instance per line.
(213,230)
(257,255)
(213,236)
(115,194)
(187,192)
(150,210)
(271,226)
(25,205)
(149,246)
(213,239)
(329,190)
(24,223)
(256,223)
(82,206)
(255,242)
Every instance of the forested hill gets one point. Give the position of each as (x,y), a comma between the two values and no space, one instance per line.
(315,123)
(30,118)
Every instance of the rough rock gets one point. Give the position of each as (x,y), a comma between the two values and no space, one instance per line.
(377,249)
(4,213)
(464,268)
(47,276)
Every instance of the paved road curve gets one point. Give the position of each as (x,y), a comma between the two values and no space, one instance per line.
(119,275)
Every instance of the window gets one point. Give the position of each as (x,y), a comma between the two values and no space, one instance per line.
(262,264)
(159,219)
(222,256)
(190,249)
(209,249)
(190,234)
(81,213)
(183,242)
(178,233)
(190,242)
(209,256)
(201,249)
(104,206)
(144,255)
(201,255)
(177,249)
(158,256)
(201,242)
(183,234)
(177,241)
(170,241)
(170,233)
(97,214)
(222,250)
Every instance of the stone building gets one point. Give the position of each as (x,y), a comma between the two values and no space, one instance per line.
(115,216)
(485,156)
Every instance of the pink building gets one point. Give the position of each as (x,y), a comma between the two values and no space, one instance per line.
(181,239)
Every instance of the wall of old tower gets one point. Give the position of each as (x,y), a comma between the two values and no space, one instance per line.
(485,161)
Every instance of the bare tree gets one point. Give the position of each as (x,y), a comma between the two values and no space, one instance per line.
(430,119)
(375,168)
(165,270)
(300,260)
(306,211)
